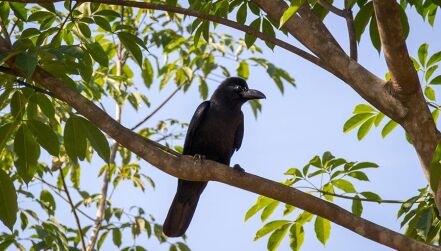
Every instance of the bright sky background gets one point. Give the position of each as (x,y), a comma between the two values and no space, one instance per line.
(291,129)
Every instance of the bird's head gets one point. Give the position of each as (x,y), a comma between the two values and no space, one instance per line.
(235,91)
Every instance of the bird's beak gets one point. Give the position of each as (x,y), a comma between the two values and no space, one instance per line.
(252,94)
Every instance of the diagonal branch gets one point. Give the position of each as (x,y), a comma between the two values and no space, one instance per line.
(185,167)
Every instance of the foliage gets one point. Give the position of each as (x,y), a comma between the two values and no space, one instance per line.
(327,176)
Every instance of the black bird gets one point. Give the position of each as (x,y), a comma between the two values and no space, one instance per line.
(215,132)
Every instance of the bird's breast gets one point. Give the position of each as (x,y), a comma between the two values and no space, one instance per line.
(215,137)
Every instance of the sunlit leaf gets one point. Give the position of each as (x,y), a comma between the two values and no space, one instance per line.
(322,229)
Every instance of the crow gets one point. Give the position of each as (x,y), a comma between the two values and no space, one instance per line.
(215,132)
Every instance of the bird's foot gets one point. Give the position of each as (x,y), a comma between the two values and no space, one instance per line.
(238,168)
(199,157)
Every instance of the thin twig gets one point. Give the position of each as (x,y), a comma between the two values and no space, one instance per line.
(20,82)
(77,220)
(331,8)
(67,18)
(55,190)
(363,199)
(157,108)
(353,53)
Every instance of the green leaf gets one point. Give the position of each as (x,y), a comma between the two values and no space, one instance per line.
(28,152)
(147,73)
(8,198)
(422,54)
(375,36)
(241,15)
(116,237)
(363,108)
(5,133)
(45,105)
(344,185)
(98,54)
(359,175)
(129,42)
(357,207)
(277,237)
(322,229)
(290,11)
(371,196)
(270,227)
(435,169)
(288,209)
(388,128)
(365,127)
(424,222)
(45,136)
(268,210)
(203,88)
(362,19)
(363,165)
(435,58)
(49,201)
(429,92)
(267,28)
(250,39)
(436,80)
(84,29)
(19,10)
(96,139)
(102,239)
(18,104)
(27,61)
(429,72)
(296,236)
(260,203)
(355,120)
(243,70)
(74,139)
(103,23)
(329,188)
(380,116)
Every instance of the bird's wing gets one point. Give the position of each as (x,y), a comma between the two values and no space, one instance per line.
(195,122)
(238,135)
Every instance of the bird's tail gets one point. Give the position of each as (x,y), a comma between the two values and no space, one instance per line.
(183,207)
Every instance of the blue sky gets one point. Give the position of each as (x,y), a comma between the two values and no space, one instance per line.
(291,129)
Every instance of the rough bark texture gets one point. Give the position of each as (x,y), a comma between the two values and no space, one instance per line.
(418,122)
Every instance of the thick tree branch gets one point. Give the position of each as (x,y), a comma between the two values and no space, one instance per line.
(418,123)
(185,167)
(312,33)
(401,68)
